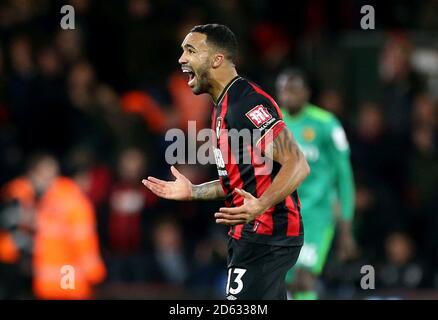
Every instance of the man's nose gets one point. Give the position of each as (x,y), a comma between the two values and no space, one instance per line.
(182,59)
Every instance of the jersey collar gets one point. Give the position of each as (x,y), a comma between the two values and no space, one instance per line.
(224,92)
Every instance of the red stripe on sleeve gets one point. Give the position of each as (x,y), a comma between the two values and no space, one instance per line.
(270,135)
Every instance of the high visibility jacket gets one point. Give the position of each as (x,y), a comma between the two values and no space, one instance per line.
(19,189)
(66,259)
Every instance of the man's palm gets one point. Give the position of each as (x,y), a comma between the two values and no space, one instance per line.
(180,189)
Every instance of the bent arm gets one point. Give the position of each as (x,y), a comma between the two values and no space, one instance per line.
(294,168)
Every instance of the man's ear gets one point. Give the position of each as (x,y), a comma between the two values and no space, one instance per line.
(218,59)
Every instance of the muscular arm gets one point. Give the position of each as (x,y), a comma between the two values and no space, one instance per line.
(211,190)
(294,168)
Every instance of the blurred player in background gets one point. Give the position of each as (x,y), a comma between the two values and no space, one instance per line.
(329,189)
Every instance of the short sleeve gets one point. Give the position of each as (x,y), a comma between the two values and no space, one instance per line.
(258,114)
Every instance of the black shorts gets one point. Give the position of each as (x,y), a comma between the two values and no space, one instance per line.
(257,271)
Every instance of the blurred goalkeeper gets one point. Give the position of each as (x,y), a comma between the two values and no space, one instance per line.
(328,190)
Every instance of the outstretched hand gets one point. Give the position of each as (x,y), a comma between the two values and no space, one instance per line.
(180,189)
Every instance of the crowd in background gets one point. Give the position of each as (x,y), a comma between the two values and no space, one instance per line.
(93,104)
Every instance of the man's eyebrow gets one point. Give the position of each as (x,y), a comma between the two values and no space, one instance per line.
(187,45)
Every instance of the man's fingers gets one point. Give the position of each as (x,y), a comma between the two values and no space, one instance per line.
(235,210)
(220,215)
(155,188)
(158,181)
(151,184)
(230,222)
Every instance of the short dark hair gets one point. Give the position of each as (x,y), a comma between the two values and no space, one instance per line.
(221,36)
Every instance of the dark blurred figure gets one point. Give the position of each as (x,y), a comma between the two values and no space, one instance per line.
(69,45)
(143,19)
(375,151)
(126,222)
(378,165)
(400,83)
(425,111)
(331,100)
(401,268)
(207,276)
(50,127)
(169,252)
(20,89)
(422,175)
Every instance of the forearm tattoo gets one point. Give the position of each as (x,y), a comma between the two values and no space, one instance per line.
(208,191)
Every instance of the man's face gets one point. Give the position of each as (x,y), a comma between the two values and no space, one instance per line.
(196,62)
(293,94)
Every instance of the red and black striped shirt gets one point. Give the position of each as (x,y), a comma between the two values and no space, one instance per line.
(243,105)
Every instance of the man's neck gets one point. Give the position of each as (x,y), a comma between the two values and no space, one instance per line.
(219,83)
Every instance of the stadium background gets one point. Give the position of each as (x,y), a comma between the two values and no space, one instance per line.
(101,97)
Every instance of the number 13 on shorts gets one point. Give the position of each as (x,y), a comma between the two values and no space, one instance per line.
(235,277)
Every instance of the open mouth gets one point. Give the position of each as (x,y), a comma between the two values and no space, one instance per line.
(191,76)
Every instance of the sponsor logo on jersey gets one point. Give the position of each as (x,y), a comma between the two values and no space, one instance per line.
(259,115)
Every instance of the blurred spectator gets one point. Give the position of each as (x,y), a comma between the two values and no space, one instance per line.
(65,236)
(210,256)
(50,123)
(400,83)
(423,167)
(20,88)
(70,46)
(422,174)
(401,269)
(331,99)
(374,149)
(425,111)
(169,252)
(17,230)
(127,223)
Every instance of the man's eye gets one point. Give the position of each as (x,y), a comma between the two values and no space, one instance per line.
(191,51)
